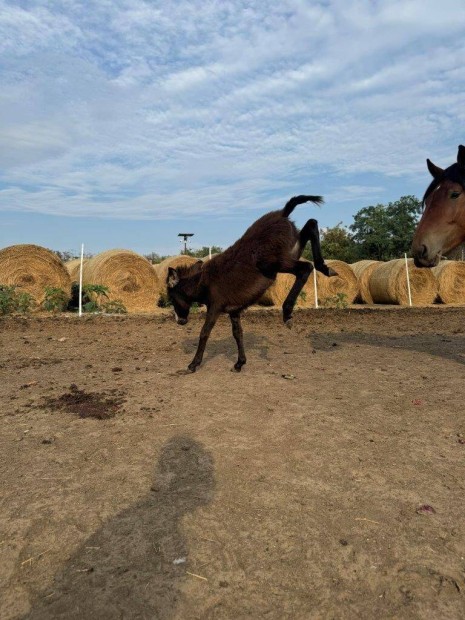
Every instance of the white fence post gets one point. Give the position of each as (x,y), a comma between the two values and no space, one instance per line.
(408,281)
(315,288)
(80,280)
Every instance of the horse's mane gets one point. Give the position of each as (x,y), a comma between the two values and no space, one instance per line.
(454,173)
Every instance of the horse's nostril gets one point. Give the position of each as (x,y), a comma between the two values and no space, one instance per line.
(424,251)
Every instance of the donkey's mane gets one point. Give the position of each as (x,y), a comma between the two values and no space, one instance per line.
(184,271)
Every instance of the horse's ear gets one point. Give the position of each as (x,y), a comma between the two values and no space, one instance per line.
(461,156)
(435,171)
(173,277)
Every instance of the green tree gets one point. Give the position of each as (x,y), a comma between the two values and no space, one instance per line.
(337,243)
(384,232)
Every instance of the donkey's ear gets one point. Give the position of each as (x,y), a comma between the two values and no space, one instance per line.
(173,277)
(461,156)
(435,171)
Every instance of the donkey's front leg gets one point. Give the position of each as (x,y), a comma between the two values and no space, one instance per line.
(239,338)
(212,316)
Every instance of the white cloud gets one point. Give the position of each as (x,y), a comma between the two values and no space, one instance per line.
(135,109)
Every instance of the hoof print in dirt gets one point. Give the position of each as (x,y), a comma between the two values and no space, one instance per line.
(87,404)
(425,509)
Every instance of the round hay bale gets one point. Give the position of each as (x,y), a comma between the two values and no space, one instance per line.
(73,267)
(32,268)
(345,283)
(129,277)
(279,290)
(207,258)
(363,270)
(161,269)
(450,275)
(388,284)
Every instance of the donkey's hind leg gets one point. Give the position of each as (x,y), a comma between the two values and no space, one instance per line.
(239,338)
(301,270)
(311,233)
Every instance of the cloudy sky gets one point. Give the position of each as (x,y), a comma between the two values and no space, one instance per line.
(124,122)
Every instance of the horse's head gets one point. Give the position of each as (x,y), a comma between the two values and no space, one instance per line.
(442,225)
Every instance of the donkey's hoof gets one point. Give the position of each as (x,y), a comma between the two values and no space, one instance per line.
(183,372)
(192,368)
(236,368)
(288,323)
(332,272)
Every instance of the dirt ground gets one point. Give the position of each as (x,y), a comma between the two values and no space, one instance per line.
(324,481)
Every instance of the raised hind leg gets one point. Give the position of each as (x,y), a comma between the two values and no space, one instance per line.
(311,233)
(301,269)
(239,338)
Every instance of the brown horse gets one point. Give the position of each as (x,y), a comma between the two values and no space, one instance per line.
(442,225)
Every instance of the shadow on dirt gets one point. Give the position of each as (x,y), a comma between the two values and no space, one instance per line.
(227,346)
(133,566)
(450,348)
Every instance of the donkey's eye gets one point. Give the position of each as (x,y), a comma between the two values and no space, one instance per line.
(455,195)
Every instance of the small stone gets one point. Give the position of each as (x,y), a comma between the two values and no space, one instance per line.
(343,542)
(117,369)
(223,584)
(47,440)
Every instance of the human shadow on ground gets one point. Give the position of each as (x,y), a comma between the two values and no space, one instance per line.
(450,348)
(133,566)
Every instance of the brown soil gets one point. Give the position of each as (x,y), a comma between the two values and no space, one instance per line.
(324,481)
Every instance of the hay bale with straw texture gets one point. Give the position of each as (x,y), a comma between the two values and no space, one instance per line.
(129,277)
(207,258)
(183,260)
(279,290)
(345,283)
(450,275)
(388,284)
(32,268)
(73,267)
(363,270)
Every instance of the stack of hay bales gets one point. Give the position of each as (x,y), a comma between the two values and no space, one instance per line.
(450,276)
(345,283)
(388,284)
(129,277)
(363,270)
(172,261)
(73,267)
(32,268)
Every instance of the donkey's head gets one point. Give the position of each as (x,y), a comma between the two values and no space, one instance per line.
(182,284)
(442,225)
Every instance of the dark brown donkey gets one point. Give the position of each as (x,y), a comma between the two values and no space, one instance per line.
(442,225)
(235,279)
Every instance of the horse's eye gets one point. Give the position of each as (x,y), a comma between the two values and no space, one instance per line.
(455,195)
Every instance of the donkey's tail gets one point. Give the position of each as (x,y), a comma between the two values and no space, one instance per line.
(298,200)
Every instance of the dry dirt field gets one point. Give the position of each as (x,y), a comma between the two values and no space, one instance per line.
(324,481)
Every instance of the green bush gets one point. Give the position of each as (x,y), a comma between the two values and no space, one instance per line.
(55,300)
(12,300)
(337,301)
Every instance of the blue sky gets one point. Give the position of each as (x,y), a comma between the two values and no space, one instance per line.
(124,122)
